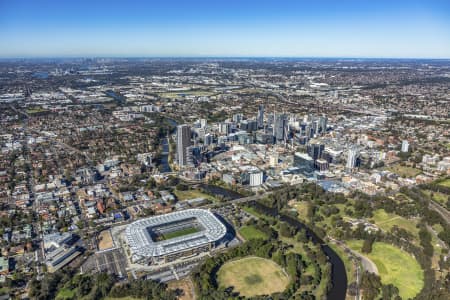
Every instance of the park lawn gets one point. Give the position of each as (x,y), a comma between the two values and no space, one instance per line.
(439,197)
(35,110)
(192,194)
(445,182)
(386,221)
(252,211)
(252,276)
(250,232)
(395,267)
(302,209)
(404,171)
(182,232)
(65,293)
(4,290)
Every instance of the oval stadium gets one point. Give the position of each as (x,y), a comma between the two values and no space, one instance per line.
(165,238)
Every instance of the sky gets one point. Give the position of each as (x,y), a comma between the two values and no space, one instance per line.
(225,28)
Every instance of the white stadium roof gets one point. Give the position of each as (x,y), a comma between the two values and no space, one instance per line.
(142,245)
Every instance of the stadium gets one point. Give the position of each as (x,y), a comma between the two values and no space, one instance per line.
(165,238)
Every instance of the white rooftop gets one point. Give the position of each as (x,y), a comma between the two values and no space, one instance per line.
(142,245)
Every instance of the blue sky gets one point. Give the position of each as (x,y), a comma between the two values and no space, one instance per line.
(314,28)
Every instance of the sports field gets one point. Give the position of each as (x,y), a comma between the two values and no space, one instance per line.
(394,266)
(251,276)
(177,233)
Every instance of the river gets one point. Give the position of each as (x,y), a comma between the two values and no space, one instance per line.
(338,274)
(164,162)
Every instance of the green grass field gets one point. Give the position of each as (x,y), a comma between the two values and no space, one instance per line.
(395,266)
(437,196)
(255,213)
(252,276)
(178,233)
(250,232)
(65,294)
(404,171)
(386,221)
(302,209)
(35,110)
(192,194)
(445,182)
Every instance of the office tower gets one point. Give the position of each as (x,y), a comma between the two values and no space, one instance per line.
(225,128)
(315,150)
(248,125)
(315,126)
(256,178)
(279,128)
(323,124)
(264,138)
(405,146)
(183,143)
(208,139)
(260,116)
(273,159)
(237,118)
(305,163)
(203,123)
(352,158)
(321,165)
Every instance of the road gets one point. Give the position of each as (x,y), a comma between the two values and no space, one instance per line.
(238,200)
(366,263)
(445,214)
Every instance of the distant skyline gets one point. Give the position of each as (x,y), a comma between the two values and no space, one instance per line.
(232,28)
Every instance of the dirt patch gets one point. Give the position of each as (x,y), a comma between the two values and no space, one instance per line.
(105,240)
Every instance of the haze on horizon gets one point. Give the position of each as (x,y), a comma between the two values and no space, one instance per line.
(385,29)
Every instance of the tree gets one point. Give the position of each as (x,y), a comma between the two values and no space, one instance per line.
(367,245)
(370,284)
(285,230)
(389,292)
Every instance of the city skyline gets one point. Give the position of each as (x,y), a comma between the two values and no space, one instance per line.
(359,29)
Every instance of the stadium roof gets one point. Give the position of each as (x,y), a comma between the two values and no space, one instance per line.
(142,245)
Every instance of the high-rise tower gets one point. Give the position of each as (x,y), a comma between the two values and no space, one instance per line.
(183,142)
(260,116)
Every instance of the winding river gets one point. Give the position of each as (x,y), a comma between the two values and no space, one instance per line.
(338,274)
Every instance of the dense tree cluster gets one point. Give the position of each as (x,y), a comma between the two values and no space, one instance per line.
(95,287)
(205,277)
(142,289)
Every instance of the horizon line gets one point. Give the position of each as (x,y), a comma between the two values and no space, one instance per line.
(216,57)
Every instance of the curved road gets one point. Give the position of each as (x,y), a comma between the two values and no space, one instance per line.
(366,263)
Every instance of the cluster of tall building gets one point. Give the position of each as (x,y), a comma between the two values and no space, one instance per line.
(265,128)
